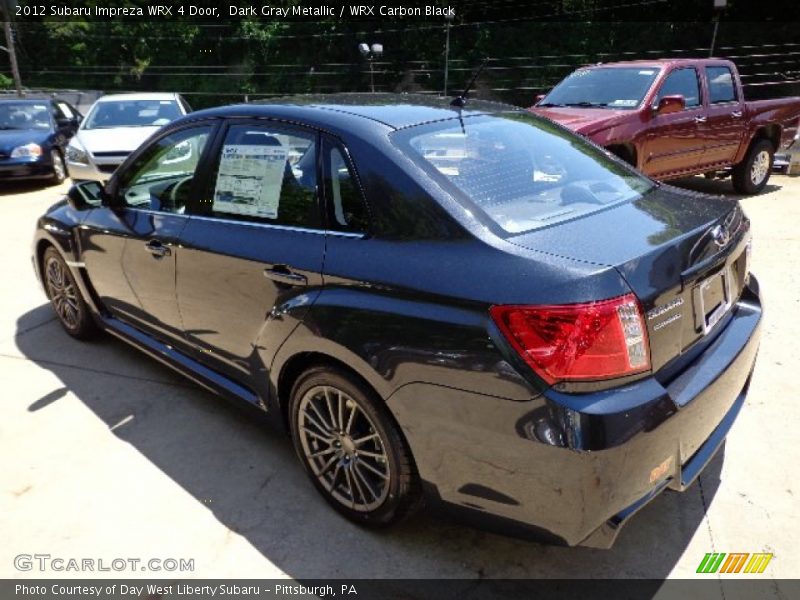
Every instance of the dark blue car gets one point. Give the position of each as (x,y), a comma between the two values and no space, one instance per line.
(33,136)
(468,305)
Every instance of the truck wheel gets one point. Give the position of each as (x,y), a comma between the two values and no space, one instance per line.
(751,175)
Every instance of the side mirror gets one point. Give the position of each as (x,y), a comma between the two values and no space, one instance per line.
(670,104)
(85,195)
(538,98)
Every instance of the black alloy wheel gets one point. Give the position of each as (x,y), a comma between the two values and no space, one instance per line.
(65,297)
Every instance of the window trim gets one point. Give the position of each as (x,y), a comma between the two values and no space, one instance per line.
(211,166)
(700,90)
(736,98)
(330,143)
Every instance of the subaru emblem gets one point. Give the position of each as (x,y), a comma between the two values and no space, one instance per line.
(720,235)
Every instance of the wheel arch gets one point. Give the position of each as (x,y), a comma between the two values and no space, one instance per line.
(298,363)
(626,151)
(771,132)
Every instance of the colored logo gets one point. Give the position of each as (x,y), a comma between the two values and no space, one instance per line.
(735,562)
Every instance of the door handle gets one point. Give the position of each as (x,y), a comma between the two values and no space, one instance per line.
(157,249)
(700,119)
(283,274)
(737,114)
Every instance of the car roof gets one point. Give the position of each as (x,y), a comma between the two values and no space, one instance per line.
(26,100)
(660,62)
(393,111)
(141,96)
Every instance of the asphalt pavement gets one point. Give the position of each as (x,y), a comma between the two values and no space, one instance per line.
(108,454)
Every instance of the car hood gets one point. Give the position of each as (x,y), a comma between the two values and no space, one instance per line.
(117,139)
(583,120)
(11,138)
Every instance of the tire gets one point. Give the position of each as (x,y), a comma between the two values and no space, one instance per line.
(361,464)
(59,168)
(65,297)
(752,174)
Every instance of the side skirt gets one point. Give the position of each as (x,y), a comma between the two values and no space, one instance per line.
(188,367)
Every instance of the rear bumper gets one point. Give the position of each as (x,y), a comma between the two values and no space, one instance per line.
(525,467)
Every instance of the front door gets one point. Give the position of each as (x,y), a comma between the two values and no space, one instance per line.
(251,255)
(132,245)
(672,143)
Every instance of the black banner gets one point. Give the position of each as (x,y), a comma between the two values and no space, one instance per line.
(459,12)
(705,587)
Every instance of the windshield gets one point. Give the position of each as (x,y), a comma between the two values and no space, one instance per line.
(24,115)
(521,171)
(132,113)
(610,87)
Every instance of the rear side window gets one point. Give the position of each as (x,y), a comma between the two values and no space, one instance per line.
(720,85)
(266,174)
(346,208)
(682,82)
(520,171)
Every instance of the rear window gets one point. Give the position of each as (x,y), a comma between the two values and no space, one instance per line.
(520,171)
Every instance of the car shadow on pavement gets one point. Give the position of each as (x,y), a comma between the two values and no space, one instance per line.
(248,476)
(14,188)
(718,187)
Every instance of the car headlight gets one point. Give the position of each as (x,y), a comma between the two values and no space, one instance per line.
(26,150)
(77,155)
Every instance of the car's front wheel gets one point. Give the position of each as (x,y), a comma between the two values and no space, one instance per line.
(59,168)
(65,297)
(351,448)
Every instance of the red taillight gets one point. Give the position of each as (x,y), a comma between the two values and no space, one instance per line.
(578,342)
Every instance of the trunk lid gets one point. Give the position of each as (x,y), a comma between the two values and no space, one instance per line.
(682,253)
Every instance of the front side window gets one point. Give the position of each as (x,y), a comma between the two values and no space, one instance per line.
(266,174)
(161,177)
(612,87)
(520,171)
(132,113)
(347,211)
(682,82)
(65,110)
(720,85)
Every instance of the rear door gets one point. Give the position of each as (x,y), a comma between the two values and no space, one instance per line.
(725,125)
(131,247)
(251,255)
(673,143)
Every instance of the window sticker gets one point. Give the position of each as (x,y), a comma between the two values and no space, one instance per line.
(623,102)
(646,72)
(250,180)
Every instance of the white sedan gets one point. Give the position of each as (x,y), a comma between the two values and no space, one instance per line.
(114,127)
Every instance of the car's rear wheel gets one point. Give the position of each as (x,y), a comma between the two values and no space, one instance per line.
(751,175)
(65,297)
(351,448)
(59,168)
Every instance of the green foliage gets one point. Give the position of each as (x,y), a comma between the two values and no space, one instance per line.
(221,61)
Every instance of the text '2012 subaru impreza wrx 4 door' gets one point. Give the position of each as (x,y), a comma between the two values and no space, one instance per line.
(463,304)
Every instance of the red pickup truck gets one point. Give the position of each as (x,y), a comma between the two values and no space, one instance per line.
(673,118)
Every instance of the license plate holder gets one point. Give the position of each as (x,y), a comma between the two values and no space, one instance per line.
(714,299)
